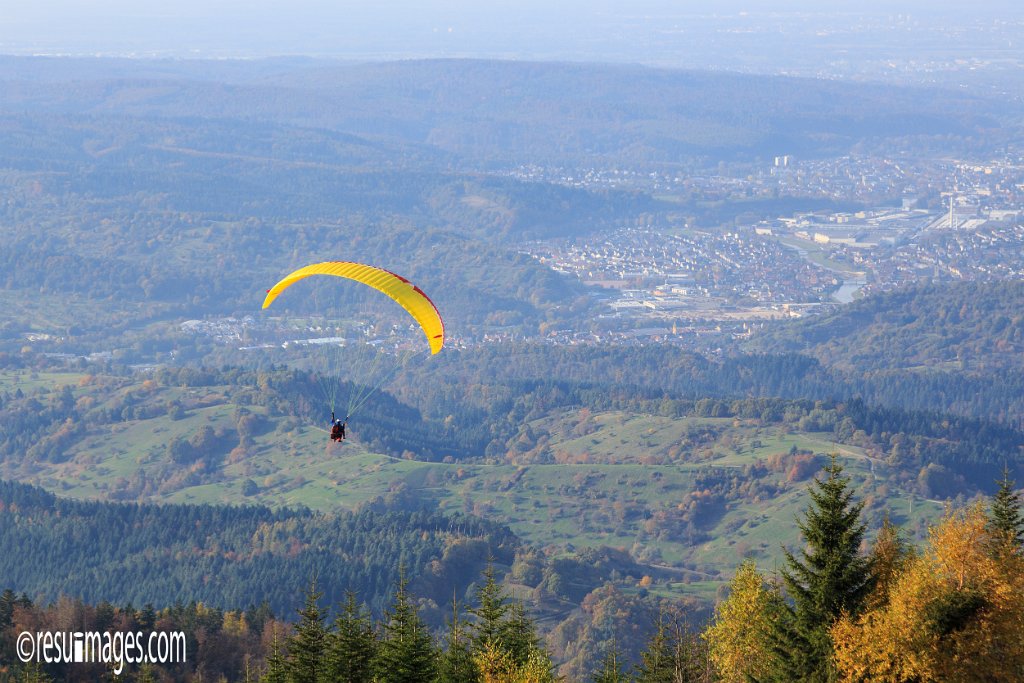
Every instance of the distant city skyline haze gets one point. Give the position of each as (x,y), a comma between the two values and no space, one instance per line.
(772,37)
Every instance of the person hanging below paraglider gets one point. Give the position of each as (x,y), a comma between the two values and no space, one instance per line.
(337,429)
(403,292)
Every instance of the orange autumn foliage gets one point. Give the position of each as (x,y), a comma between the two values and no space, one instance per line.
(956,613)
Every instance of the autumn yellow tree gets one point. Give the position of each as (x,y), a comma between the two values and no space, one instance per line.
(890,556)
(954,614)
(496,665)
(739,638)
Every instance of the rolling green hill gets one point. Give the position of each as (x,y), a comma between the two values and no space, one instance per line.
(690,494)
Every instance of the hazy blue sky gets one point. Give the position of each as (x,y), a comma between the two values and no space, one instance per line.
(648,31)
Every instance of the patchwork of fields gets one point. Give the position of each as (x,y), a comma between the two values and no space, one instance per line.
(690,495)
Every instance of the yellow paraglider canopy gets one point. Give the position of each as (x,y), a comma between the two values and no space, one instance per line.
(409,296)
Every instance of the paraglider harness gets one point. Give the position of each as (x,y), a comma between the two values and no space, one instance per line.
(406,294)
(338,428)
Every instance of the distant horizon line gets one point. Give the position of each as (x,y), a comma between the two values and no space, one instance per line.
(385,58)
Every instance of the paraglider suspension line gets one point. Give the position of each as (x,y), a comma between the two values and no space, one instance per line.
(363,396)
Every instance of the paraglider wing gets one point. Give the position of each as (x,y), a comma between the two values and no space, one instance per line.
(409,296)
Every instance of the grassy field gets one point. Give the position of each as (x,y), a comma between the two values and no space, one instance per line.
(694,493)
(816,253)
(30,381)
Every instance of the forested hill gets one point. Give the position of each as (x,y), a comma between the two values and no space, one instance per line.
(233,556)
(486,112)
(156,190)
(977,327)
(139,192)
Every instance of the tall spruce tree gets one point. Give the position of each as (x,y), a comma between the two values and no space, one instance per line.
(829,578)
(351,648)
(1005,519)
(611,669)
(673,655)
(306,647)
(456,664)
(490,612)
(277,664)
(503,631)
(406,654)
(519,634)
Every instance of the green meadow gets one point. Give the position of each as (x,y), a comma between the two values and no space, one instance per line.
(691,495)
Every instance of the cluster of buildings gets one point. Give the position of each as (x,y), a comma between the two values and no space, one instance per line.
(954,220)
(660,270)
(925,183)
(683,285)
(990,252)
(687,288)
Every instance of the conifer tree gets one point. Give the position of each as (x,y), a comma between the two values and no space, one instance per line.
(406,654)
(518,634)
(656,664)
(351,647)
(147,617)
(306,647)
(1006,520)
(611,669)
(32,673)
(277,664)
(673,655)
(890,555)
(490,612)
(456,664)
(503,627)
(7,601)
(828,579)
(247,675)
